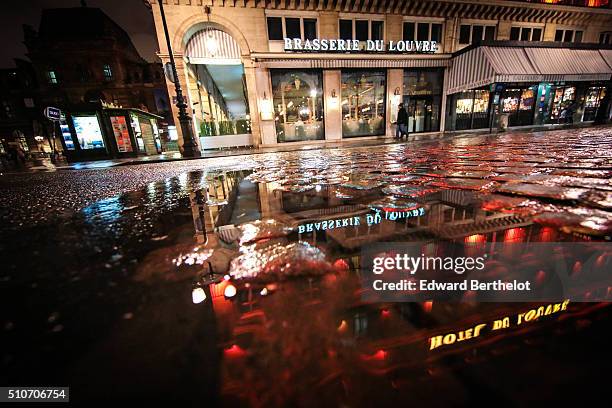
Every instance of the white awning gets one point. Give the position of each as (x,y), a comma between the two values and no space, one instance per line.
(607,56)
(489,64)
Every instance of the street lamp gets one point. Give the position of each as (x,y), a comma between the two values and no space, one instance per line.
(190,147)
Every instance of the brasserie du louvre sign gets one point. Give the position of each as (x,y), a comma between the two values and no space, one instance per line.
(339,45)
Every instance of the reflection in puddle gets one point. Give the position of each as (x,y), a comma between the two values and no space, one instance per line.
(244,285)
(288,242)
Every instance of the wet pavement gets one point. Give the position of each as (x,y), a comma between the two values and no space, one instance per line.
(200,281)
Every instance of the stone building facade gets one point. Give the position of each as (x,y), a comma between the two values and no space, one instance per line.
(357,93)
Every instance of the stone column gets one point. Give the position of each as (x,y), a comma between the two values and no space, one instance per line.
(451,31)
(263,98)
(394,27)
(333,105)
(503,30)
(328,24)
(549,32)
(251,84)
(395,83)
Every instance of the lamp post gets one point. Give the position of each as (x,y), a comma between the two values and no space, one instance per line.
(190,147)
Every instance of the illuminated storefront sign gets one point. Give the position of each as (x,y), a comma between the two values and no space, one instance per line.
(122,135)
(339,45)
(499,324)
(88,132)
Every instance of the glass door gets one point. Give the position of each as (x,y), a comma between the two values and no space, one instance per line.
(419,114)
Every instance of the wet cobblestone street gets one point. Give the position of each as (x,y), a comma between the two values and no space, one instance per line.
(207,280)
(568,166)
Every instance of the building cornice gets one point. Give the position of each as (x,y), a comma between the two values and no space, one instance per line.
(517,11)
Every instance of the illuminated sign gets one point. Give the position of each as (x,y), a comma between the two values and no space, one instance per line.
(339,45)
(53,113)
(499,324)
(328,224)
(88,132)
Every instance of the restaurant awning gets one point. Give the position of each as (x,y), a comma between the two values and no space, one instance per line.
(485,65)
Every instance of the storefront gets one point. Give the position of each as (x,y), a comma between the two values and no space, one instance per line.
(541,84)
(105,133)
(310,84)
(329,97)
(422,98)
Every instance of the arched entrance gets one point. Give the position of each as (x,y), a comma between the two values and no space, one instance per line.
(217,88)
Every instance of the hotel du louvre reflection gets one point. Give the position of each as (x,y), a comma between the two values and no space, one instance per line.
(266,73)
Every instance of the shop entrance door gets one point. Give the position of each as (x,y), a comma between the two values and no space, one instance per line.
(419,115)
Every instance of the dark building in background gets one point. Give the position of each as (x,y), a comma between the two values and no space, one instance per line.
(19,118)
(79,57)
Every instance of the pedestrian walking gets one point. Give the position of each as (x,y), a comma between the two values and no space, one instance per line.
(402,123)
(563,115)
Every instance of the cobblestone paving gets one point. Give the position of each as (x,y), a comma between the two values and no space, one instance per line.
(563,177)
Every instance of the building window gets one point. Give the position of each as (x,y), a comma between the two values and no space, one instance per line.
(362,30)
(346,29)
(422,95)
(422,31)
(525,34)
(568,36)
(469,34)
(363,103)
(275,28)
(298,104)
(378,30)
(605,38)
(52,77)
(83,73)
(291,27)
(310,28)
(108,72)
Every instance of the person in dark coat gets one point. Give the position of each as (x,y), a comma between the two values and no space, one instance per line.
(402,123)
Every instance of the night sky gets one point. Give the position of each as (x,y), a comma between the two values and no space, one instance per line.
(132,15)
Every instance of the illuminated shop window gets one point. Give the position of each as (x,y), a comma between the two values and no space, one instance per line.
(519,104)
(472,109)
(592,101)
(291,27)
(421,31)
(298,104)
(361,29)
(363,103)
(526,34)
(469,34)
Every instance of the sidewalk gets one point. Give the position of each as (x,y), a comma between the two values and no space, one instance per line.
(46,165)
(175,156)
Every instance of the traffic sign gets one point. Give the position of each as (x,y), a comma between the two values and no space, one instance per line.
(53,113)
